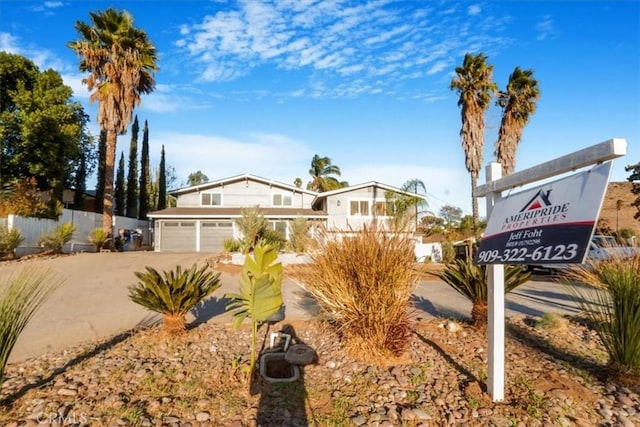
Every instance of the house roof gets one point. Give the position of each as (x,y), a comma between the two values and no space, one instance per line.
(236,178)
(222,212)
(366,185)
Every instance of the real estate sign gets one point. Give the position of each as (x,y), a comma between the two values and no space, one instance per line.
(551,224)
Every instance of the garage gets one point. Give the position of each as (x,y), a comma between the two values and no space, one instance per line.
(213,234)
(178,236)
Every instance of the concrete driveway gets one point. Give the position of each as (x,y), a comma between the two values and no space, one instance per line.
(93,303)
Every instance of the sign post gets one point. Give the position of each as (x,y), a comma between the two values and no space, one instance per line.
(548,223)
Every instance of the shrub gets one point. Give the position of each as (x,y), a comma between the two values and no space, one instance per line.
(273,238)
(231,245)
(611,302)
(20,297)
(173,293)
(470,280)
(364,284)
(260,295)
(252,225)
(9,241)
(448,252)
(299,239)
(99,238)
(552,322)
(55,240)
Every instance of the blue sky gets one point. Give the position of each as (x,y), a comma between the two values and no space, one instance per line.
(261,86)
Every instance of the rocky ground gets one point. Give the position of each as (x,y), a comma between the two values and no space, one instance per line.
(149,379)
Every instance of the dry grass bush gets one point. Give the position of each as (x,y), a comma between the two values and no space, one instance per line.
(363,283)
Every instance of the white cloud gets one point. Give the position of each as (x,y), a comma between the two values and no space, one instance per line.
(375,38)
(545,28)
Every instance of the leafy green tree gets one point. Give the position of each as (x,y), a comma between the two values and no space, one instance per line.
(518,103)
(80,187)
(451,215)
(474,84)
(634,178)
(323,175)
(120,60)
(41,127)
(120,192)
(102,154)
(162,183)
(197,178)
(132,173)
(145,175)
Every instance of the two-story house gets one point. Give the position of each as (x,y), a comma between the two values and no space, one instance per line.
(205,214)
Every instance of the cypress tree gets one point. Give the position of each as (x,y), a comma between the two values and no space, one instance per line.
(143,206)
(120,190)
(102,154)
(162,183)
(132,176)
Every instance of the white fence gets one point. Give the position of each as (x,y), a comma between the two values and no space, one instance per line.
(33,228)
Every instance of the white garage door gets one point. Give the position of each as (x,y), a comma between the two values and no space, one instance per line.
(213,233)
(178,236)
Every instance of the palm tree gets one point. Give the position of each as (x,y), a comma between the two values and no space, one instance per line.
(474,83)
(416,186)
(120,60)
(518,104)
(322,172)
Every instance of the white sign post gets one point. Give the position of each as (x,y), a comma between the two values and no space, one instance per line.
(525,247)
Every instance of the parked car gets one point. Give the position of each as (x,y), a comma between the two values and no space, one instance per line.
(601,248)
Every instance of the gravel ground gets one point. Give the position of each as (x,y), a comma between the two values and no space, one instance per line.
(149,379)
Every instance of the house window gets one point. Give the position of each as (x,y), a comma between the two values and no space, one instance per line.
(211,199)
(359,208)
(281,200)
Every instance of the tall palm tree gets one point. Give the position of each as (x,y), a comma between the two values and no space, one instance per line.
(474,83)
(518,104)
(416,186)
(323,175)
(121,61)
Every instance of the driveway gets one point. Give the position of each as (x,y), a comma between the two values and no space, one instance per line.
(93,303)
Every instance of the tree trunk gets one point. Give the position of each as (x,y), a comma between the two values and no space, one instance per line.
(480,314)
(474,202)
(109,163)
(174,324)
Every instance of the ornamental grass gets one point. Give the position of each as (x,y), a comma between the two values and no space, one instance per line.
(363,284)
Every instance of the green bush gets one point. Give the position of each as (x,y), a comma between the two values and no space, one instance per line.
(9,241)
(448,252)
(231,245)
(55,240)
(99,238)
(364,283)
(20,297)
(299,239)
(470,280)
(611,302)
(173,293)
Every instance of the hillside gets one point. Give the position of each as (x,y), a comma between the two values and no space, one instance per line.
(624,218)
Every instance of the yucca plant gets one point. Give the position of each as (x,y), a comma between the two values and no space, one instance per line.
(252,225)
(21,295)
(363,283)
(611,302)
(9,241)
(55,240)
(174,293)
(470,280)
(260,295)
(299,239)
(99,238)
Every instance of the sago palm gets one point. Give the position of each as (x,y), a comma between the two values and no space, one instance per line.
(120,60)
(474,83)
(518,104)
(470,280)
(174,293)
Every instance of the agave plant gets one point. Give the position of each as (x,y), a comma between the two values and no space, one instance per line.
(174,293)
(470,280)
(20,296)
(611,302)
(260,295)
